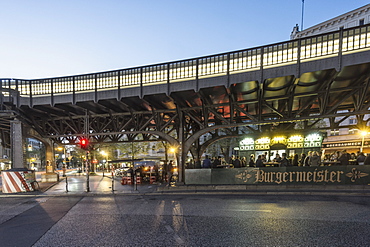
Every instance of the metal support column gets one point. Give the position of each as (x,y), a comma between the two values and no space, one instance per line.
(181,156)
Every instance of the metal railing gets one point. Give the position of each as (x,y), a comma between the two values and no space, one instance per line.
(293,51)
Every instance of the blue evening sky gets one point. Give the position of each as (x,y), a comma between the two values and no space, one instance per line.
(50,38)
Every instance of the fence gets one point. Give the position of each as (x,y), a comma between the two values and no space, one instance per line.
(316,47)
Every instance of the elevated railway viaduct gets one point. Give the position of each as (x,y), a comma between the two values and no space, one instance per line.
(261,89)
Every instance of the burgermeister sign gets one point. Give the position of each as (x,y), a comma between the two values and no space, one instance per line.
(304,175)
(315,176)
(331,175)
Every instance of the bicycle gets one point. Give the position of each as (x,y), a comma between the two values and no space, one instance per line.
(35,186)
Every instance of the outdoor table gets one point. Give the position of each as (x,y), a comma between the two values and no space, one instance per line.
(331,163)
(274,164)
(352,162)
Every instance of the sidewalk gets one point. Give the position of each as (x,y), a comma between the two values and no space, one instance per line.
(354,190)
(75,184)
(97,184)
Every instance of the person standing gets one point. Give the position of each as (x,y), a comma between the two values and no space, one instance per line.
(307,159)
(251,161)
(216,162)
(284,162)
(206,162)
(277,158)
(237,163)
(295,160)
(259,162)
(301,160)
(231,161)
(367,160)
(170,171)
(360,158)
(164,171)
(315,159)
(263,158)
(243,161)
(344,158)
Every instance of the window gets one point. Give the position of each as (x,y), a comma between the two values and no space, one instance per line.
(353,131)
(361,22)
(334,132)
(352,121)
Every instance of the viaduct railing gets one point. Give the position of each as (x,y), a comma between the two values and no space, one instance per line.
(290,52)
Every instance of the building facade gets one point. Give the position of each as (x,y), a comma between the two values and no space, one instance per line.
(357,17)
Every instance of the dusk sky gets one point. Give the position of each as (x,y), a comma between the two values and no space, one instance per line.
(50,38)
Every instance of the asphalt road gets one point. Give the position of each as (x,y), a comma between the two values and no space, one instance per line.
(184,220)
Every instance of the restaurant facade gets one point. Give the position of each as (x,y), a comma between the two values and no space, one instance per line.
(270,145)
(326,174)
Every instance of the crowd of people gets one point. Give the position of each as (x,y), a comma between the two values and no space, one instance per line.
(312,158)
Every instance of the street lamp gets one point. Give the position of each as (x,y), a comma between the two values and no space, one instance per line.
(173,150)
(363,134)
(64,158)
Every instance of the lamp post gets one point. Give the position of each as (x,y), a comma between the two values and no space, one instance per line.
(363,134)
(173,169)
(106,159)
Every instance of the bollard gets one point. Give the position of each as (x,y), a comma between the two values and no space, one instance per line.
(66,184)
(135,176)
(112,181)
(87,179)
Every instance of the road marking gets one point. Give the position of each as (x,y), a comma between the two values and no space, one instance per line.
(177,238)
(169,228)
(42,199)
(250,210)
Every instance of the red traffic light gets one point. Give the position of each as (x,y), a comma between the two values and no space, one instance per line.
(84,143)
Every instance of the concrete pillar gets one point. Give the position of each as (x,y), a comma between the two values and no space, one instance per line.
(17,144)
(49,175)
(49,153)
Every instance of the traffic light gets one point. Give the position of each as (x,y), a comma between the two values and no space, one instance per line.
(84,143)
